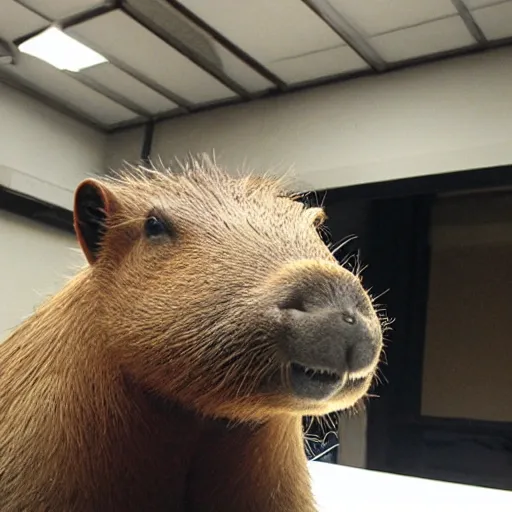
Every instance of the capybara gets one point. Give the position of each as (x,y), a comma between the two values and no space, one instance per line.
(171,374)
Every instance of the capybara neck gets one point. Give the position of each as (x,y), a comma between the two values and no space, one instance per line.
(88,438)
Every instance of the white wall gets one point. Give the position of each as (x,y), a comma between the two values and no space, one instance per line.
(445,116)
(35,261)
(42,152)
(124,146)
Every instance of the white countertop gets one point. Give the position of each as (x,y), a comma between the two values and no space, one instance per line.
(341,488)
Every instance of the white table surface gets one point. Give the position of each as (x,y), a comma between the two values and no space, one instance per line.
(341,488)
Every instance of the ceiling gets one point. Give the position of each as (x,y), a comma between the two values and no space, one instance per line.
(170,57)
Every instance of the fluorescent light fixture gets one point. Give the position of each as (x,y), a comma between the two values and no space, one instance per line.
(61,51)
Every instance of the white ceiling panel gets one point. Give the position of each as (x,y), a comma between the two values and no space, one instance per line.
(316,65)
(241,73)
(477,4)
(59,9)
(67,90)
(170,20)
(118,35)
(496,21)
(17,21)
(268,30)
(430,38)
(379,16)
(128,87)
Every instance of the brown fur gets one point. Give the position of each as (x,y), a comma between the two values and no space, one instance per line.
(140,385)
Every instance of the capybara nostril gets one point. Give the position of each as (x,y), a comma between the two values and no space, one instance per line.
(329,337)
(349,318)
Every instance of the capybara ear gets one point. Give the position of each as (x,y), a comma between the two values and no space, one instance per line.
(93,205)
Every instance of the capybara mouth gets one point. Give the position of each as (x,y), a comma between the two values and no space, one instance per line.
(320,383)
(315,383)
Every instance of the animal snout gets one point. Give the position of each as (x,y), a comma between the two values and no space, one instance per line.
(332,334)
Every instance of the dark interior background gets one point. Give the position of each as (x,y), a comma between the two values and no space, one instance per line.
(393,222)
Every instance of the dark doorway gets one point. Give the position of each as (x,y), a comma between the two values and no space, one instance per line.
(424,422)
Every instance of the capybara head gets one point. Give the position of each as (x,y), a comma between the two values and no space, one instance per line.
(219,294)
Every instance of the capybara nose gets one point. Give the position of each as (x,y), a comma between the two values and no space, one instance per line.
(332,333)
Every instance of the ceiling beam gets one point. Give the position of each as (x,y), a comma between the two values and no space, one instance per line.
(470,22)
(82,17)
(64,23)
(30,90)
(229,45)
(98,87)
(31,8)
(194,56)
(347,32)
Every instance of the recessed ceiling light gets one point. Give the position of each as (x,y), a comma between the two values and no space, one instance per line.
(61,51)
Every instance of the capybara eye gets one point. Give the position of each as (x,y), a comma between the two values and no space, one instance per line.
(154,227)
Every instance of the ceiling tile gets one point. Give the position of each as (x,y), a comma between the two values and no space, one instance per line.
(128,87)
(477,4)
(17,21)
(379,16)
(496,21)
(116,34)
(59,9)
(315,65)
(430,38)
(65,89)
(268,30)
(169,20)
